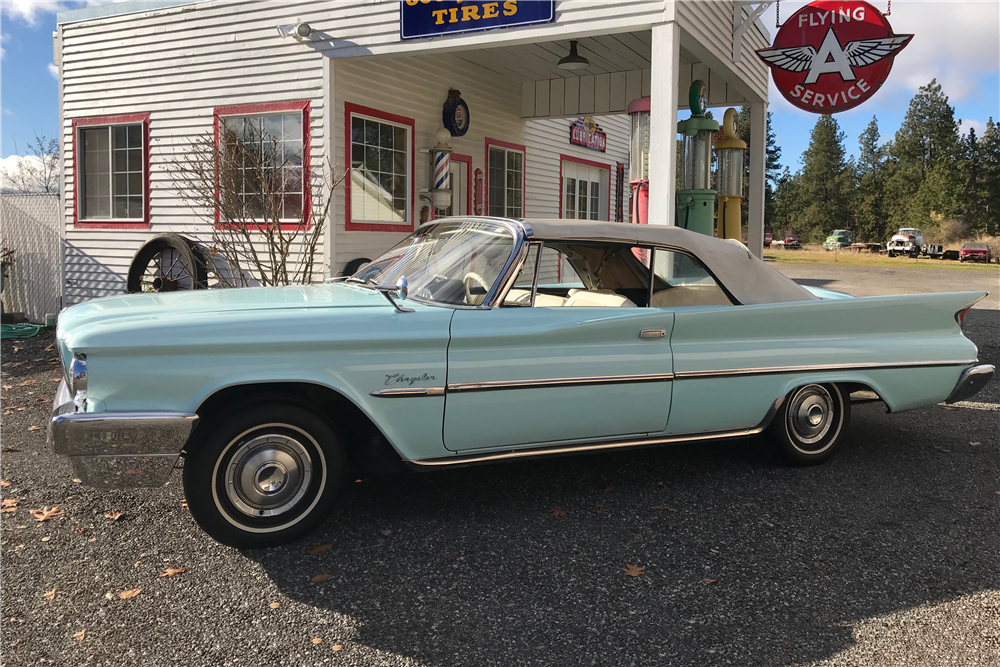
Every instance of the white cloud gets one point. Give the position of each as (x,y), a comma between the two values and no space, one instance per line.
(977,125)
(14,165)
(954,42)
(54,71)
(29,11)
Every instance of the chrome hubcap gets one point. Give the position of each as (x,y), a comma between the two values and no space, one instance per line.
(268,475)
(810,414)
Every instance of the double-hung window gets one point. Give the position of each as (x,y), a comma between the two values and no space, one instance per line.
(111,170)
(380,150)
(506,179)
(266,147)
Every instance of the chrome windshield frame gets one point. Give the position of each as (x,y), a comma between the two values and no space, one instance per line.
(521,231)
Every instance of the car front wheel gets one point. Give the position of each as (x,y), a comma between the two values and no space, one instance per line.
(266,475)
(810,424)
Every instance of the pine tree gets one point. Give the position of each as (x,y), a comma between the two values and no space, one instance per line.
(826,183)
(988,189)
(772,163)
(869,222)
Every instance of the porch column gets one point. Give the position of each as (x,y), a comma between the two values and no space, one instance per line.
(665,64)
(758,164)
(333,164)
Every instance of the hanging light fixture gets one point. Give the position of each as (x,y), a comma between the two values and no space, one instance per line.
(573,60)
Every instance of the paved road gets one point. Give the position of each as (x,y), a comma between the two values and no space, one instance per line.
(886,556)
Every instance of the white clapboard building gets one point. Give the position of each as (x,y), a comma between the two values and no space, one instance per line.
(141,80)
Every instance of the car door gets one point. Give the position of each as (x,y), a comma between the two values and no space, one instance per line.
(520,376)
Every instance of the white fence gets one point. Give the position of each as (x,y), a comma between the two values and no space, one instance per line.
(30,228)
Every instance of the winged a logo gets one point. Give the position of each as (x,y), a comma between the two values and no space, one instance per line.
(832,55)
(858,53)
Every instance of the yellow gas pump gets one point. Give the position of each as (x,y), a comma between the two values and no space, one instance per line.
(729,178)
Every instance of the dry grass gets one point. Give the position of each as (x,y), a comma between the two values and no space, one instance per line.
(811,254)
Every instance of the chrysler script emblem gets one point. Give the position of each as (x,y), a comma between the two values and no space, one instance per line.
(401,378)
(831,56)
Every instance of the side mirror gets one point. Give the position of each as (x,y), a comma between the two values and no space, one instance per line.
(402,288)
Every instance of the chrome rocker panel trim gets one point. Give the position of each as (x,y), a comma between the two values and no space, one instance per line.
(119,449)
(408,392)
(973,379)
(457,387)
(809,368)
(603,445)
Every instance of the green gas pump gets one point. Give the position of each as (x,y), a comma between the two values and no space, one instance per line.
(696,201)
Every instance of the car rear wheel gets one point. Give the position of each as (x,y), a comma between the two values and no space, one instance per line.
(264,476)
(810,425)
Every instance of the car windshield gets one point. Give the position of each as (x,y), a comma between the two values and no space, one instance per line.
(975,246)
(454,262)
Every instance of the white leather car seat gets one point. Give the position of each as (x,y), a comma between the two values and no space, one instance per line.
(597,299)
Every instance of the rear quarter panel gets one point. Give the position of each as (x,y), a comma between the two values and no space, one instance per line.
(870,330)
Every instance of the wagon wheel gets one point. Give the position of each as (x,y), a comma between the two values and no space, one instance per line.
(166,263)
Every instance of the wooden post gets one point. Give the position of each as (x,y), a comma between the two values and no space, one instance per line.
(758,165)
(666,58)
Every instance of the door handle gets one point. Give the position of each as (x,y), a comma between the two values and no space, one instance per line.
(652,334)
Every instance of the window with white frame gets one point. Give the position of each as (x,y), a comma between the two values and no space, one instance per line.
(380,170)
(270,147)
(506,182)
(112,165)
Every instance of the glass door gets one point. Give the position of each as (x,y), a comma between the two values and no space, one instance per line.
(585,192)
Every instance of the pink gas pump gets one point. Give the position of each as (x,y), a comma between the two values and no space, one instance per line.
(638,162)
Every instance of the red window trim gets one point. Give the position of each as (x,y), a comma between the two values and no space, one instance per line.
(467,159)
(586,163)
(303,106)
(524,170)
(111,120)
(349,110)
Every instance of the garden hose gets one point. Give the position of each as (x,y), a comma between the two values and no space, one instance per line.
(8,331)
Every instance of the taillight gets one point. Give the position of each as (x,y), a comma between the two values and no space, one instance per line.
(960,317)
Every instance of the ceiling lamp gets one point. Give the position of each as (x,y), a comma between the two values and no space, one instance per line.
(573,60)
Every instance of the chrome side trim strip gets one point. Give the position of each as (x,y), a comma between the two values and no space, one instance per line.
(557,382)
(778,370)
(409,391)
(591,447)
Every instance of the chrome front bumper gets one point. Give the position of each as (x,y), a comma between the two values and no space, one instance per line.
(972,380)
(118,449)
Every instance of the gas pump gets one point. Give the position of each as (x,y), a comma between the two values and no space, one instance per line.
(729,152)
(638,161)
(695,202)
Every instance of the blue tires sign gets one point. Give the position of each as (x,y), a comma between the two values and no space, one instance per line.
(434,18)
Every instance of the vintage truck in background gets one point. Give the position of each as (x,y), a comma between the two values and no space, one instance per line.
(909,241)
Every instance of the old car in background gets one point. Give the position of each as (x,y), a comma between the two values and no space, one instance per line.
(975,252)
(477,340)
(909,241)
(768,237)
(840,238)
(792,242)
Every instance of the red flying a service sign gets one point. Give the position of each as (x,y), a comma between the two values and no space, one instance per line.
(831,56)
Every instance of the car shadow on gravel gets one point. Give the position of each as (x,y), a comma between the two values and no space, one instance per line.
(747,562)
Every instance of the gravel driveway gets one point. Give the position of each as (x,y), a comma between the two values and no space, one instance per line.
(888,555)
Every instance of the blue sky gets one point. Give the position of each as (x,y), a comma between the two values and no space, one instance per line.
(958,42)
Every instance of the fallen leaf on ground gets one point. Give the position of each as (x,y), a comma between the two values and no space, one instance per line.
(975,444)
(609,489)
(9,502)
(171,571)
(317,640)
(633,570)
(27,383)
(598,504)
(42,399)
(114,516)
(336,647)
(50,595)
(4,483)
(8,386)
(77,480)
(46,538)
(131,593)
(275,605)
(46,513)
(558,511)
(20,409)
(710,581)
(320,549)
(34,428)
(9,449)
(950,408)
(184,503)
(658,507)
(319,578)
(80,635)
(55,379)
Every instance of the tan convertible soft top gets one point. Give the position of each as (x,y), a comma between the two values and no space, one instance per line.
(747,278)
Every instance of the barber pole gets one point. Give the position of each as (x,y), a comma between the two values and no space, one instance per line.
(441,180)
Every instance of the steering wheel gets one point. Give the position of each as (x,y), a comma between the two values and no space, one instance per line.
(469,277)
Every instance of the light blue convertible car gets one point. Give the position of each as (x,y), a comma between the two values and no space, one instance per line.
(478,340)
